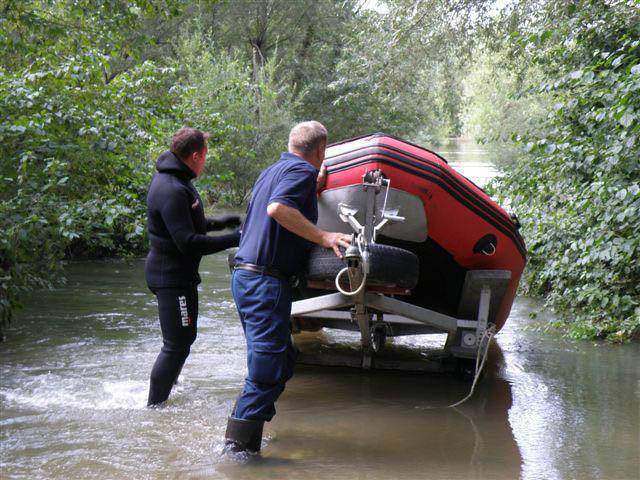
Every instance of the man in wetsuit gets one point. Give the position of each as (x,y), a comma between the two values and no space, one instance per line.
(178,237)
(276,239)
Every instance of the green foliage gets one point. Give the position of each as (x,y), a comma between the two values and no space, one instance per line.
(353,69)
(401,72)
(373,88)
(74,144)
(498,100)
(249,114)
(74,164)
(91,90)
(577,190)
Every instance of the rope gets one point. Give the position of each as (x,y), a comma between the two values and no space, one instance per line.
(344,292)
(492,251)
(488,336)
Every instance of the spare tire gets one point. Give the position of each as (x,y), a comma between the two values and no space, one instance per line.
(388,265)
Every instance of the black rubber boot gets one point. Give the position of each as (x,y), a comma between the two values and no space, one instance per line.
(175,382)
(243,436)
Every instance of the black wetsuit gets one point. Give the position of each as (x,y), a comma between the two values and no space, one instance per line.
(178,238)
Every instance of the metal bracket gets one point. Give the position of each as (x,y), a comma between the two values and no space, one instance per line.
(483,310)
(402,312)
(387,216)
(348,215)
(422,315)
(324,302)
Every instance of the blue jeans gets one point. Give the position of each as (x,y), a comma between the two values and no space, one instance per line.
(264,305)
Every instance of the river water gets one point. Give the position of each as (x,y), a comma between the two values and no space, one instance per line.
(75,366)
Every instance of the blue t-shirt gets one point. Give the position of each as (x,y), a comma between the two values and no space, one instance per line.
(290,181)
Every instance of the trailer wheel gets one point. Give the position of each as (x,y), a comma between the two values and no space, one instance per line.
(389,265)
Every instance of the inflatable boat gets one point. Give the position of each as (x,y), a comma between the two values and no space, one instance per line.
(431,251)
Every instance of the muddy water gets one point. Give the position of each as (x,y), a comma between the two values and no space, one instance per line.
(73,384)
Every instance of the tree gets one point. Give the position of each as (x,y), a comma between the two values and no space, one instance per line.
(577,191)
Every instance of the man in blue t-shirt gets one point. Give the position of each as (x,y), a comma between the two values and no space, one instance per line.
(276,237)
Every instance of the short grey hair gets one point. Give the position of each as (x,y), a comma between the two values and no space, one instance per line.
(306,136)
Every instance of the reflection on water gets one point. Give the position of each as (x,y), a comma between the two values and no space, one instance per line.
(74,372)
(577,405)
(392,425)
(74,378)
(470,159)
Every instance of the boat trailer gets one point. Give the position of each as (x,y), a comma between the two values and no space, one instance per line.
(375,311)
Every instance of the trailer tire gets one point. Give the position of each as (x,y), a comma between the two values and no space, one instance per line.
(389,265)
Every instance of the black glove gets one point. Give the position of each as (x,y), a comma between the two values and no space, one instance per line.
(223,221)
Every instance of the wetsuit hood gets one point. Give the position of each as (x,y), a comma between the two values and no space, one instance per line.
(168,162)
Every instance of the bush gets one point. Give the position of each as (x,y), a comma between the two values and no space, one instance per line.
(499,102)
(577,190)
(248,114)
(75,166)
